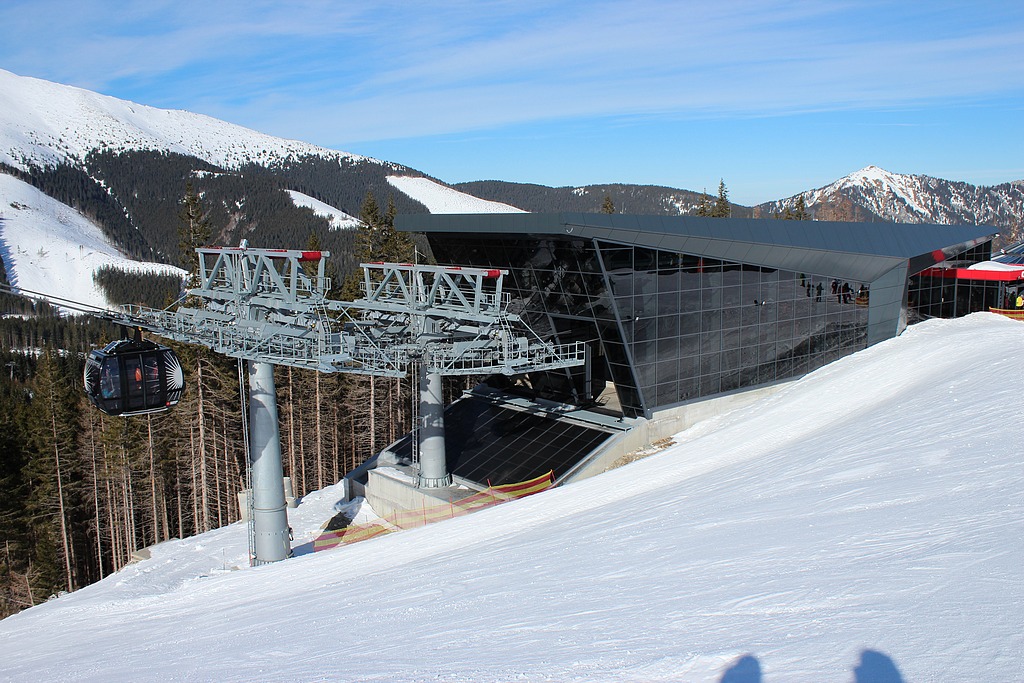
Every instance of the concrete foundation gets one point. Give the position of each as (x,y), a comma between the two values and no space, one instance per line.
(390,490)
(244,494)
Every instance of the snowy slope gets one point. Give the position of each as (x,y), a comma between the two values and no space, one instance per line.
(44,123)
(338,219)
(863,524)
(442,199)
(49,248)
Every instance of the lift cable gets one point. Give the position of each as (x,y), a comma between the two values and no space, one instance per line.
(71,304)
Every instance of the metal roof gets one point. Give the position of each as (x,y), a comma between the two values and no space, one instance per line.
(1013,254)
(859,250)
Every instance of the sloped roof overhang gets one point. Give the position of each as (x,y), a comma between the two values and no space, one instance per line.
(857,251)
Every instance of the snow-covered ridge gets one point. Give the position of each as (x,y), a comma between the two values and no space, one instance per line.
(44,123)
(338,219)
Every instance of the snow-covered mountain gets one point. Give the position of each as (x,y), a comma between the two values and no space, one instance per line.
(123,168)
(873,193)
(43,123)
(440,198)
(862,524)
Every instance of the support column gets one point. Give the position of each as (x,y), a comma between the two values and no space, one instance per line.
(433,462)
(270,519)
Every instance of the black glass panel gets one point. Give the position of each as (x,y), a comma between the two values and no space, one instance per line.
(493,444)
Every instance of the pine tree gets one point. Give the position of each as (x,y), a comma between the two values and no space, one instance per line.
(704,205)
(377,240)
(365,247)
(15,589)
(607,206)
(395,246)
(194,230)
(50,473)
(366,238)
(721,208)
(800,213)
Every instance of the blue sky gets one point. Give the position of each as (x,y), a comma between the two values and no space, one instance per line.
(772,97)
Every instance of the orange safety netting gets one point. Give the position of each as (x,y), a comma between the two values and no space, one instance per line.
(409,519)
(1012,313)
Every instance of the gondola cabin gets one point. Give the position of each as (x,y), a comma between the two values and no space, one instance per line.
(133,377)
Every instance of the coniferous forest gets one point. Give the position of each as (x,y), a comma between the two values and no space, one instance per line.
(81,491)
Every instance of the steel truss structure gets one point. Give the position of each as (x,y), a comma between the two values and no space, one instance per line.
(270,307)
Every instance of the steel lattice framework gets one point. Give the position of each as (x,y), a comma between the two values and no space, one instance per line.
(270,305)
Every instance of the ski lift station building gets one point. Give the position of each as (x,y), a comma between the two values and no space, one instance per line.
(683,317)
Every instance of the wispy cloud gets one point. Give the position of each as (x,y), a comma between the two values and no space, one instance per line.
(445,65)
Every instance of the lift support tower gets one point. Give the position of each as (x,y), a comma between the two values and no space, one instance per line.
(269,307)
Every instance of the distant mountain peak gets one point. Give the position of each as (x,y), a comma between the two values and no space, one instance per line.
(873,193)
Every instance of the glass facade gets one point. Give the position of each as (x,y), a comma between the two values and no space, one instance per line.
(664,326)
(490,443)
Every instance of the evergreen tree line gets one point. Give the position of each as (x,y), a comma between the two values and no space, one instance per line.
(81,492)
(74,187)
(634,199)
(12,303)
(241,204)
(155,290)
(28,329)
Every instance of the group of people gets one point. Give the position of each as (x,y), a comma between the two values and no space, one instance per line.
(843,293)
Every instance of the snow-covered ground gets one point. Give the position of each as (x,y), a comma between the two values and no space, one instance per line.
(50,248)
(338,219)
(442,199)
(863,524)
